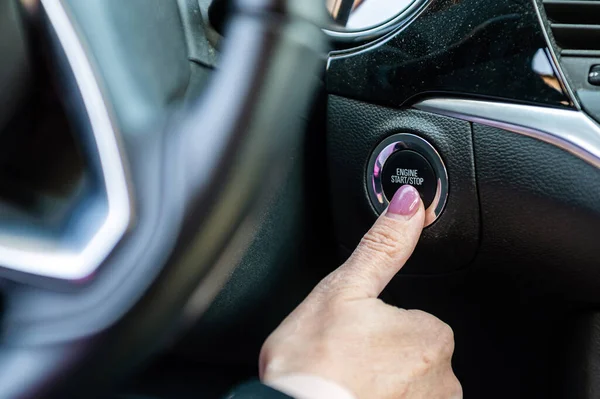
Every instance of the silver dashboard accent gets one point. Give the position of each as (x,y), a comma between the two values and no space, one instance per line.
(406,141)
(386,20)
(573,131)
(62,257)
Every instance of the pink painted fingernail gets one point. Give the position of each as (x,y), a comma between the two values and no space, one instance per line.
(405,202)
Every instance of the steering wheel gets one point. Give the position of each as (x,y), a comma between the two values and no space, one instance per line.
(172,188)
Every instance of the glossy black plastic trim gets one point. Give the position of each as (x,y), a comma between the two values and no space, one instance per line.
(475,48)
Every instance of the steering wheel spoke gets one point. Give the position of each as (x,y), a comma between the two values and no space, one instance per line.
(73,245)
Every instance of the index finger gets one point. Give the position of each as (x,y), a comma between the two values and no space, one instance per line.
(383,251)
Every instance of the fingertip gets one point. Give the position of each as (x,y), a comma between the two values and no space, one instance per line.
(406,203)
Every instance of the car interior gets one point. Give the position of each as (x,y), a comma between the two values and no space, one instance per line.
(177,175)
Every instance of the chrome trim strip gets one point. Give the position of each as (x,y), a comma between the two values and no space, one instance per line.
(573,131)
(398,21)
(61,261)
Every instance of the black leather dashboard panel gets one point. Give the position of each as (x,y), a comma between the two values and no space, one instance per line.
(540,213)
(526,264)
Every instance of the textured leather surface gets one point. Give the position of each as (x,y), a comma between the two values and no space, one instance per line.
(540,213)
(354,130)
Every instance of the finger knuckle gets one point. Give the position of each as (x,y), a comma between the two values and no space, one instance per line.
(264,359)
(424,319)
(331,286)
(380,240)
(325,284)
(266,351)
(446,333)
(441,335)
(446,339)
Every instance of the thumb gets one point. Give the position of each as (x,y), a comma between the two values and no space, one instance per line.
(384,250)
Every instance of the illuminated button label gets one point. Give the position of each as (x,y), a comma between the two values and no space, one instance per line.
(407,176)
(409,167)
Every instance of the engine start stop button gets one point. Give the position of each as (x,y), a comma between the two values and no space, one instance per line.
(409,167)
(405,158)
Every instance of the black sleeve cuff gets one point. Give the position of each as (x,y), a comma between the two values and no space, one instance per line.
(255,390)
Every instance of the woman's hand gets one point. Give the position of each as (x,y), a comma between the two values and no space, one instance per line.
(344,334)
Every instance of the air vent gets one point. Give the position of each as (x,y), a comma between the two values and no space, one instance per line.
(575,25)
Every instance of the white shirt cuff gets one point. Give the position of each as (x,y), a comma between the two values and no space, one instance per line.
(303,386)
